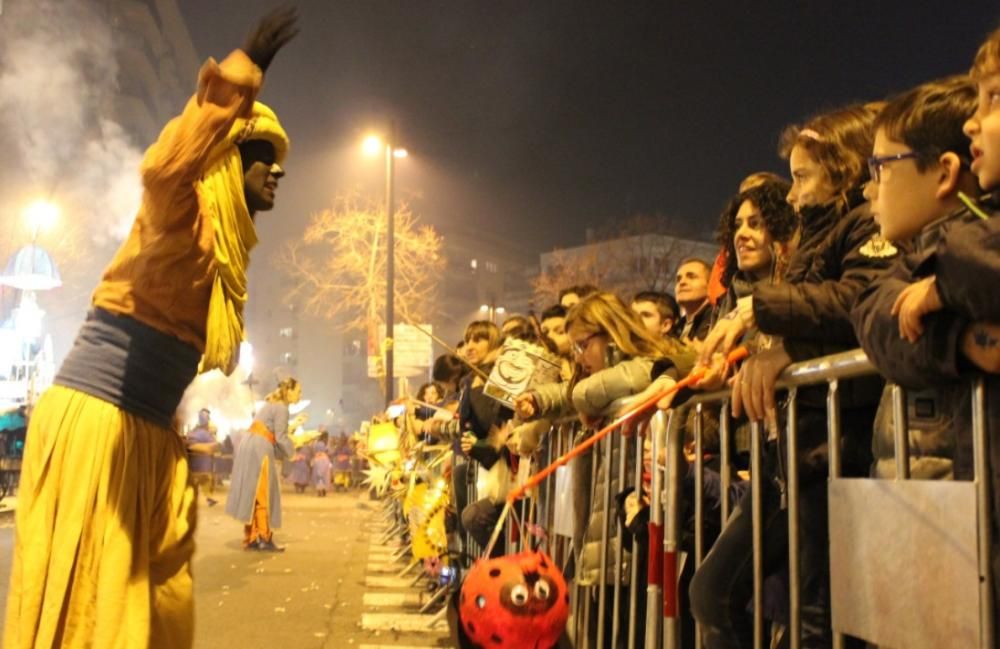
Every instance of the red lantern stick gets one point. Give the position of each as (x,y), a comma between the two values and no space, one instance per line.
(697,374)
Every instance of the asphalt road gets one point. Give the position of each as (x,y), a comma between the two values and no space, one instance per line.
(312,595)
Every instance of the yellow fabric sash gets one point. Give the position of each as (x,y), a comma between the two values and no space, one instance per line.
(220,193)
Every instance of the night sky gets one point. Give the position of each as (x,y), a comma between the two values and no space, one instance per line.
(540,119)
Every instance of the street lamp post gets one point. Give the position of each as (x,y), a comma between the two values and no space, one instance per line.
(372,144)
(390,265)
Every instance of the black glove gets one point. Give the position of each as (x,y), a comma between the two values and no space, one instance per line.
(272,33)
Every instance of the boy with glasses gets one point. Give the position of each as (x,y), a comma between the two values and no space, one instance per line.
(935,316)
(919,175)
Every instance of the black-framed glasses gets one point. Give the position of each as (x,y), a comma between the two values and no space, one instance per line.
(876,162)
(580,347)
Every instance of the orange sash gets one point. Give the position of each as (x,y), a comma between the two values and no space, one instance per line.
(258,428)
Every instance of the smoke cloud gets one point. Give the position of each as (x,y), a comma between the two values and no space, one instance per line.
(59,79)
(228,398)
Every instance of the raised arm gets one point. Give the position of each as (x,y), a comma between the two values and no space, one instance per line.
(225,93)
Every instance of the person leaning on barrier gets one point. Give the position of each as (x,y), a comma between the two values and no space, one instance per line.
(944,317)
(658,311)
(758,231)
(614,357)
(499,452)
(840,253)
(571,295)
(919,169)
(691,293)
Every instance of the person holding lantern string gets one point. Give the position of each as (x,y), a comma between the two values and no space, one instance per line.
(103,547)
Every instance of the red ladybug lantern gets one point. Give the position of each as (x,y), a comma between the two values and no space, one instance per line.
(514,602)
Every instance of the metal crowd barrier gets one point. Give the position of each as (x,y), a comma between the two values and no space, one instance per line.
(607,615)
(858,605)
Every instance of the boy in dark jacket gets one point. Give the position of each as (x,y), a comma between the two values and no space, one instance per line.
(937,317)
(919,176)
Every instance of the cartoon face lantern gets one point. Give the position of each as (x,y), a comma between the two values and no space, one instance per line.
(514,602)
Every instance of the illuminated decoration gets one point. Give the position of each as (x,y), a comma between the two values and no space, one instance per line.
(511,602)
(246,358)
(302,437)
(31,269)
(28,317)
(424,507)
(383,443)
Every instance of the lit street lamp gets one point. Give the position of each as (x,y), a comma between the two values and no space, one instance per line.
(492,311)
(371,146)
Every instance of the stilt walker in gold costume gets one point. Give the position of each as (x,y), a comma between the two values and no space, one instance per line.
(106,515)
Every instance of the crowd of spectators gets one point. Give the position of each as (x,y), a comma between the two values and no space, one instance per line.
(885,237)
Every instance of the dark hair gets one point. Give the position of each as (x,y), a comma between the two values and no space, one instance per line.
(987,59)
(779,218)
(929,118)
(483,330)
(696,260)
(665,303)
(448,368)
(422,392)
(514,321)
(759,178)
(521,329)
(840,141)
(554,311)
(580,290)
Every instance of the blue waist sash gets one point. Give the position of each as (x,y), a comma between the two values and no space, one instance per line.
(129,364)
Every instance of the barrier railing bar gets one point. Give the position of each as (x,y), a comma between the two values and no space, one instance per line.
(612,519)
(792,487)
(672,533)
(633,584)
(845,365)
(833,437)
(981,453)
(659,424)
(607,446)
(725,459)
(901,433)
(756,481)
(699,500)
(588,609)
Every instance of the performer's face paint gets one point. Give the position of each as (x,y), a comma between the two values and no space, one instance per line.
(260,174)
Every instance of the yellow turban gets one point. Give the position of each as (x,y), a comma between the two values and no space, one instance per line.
(220,193)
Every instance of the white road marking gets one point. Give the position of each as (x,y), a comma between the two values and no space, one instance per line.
(409,622)
(394,599)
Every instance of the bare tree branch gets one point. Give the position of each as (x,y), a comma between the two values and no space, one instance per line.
(339,265)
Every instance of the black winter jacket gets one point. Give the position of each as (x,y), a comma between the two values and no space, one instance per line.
(810,310)
(840,254)
(963,252)
(966,261)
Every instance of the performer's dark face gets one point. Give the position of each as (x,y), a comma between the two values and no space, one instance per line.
(260,174)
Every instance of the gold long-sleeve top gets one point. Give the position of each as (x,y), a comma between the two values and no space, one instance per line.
(162,274)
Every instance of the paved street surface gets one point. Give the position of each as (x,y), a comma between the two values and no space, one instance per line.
(334,587)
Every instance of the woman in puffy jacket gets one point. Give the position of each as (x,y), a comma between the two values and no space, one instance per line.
(614,357)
